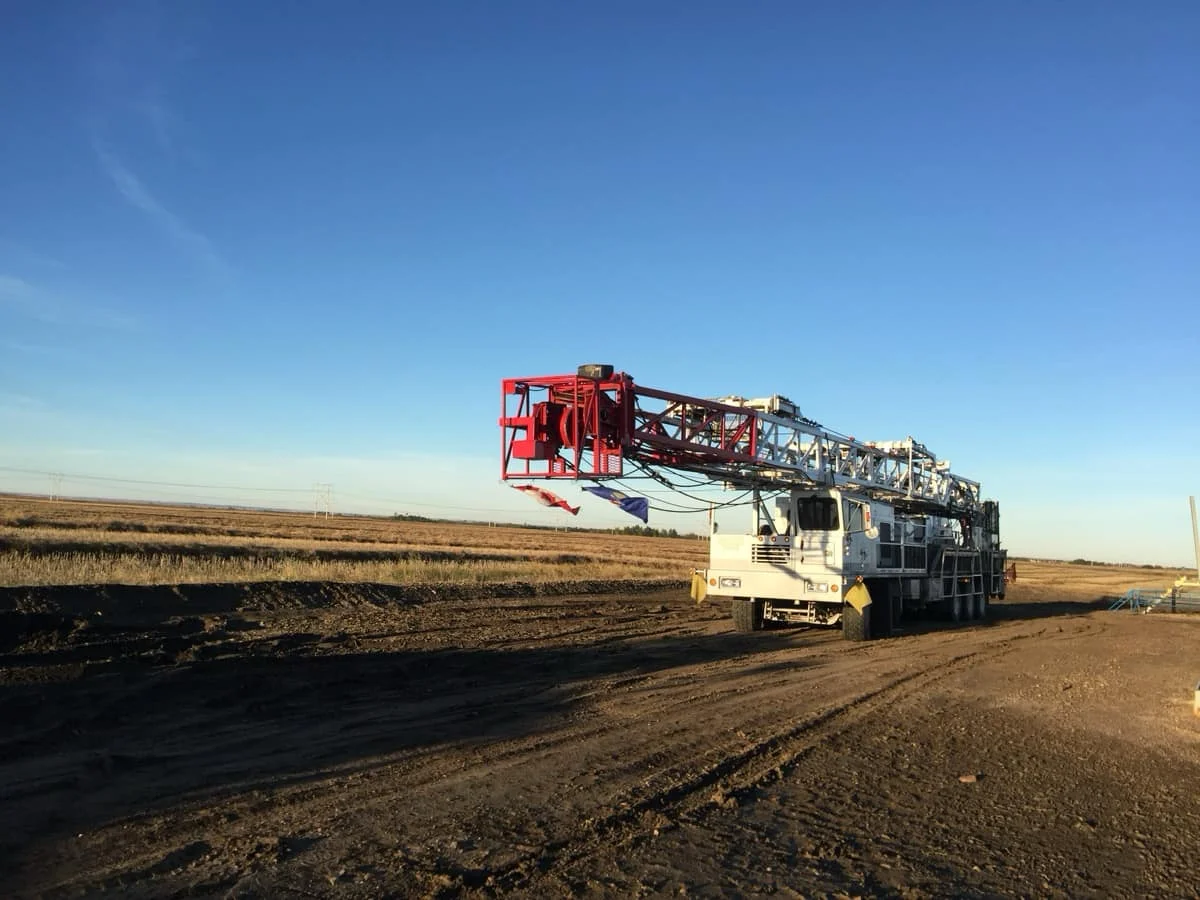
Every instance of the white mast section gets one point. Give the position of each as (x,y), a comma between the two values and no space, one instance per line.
(793,452)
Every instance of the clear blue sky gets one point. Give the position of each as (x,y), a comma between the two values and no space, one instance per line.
(265,245)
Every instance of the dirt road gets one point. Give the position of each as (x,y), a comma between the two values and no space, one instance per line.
(354,740)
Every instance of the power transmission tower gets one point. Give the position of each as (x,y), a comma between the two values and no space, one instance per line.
(56,480)
(322,498)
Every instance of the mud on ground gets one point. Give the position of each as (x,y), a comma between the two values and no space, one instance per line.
(359,740)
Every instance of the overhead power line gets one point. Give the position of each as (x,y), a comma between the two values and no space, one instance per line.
(320,494)
(143,481)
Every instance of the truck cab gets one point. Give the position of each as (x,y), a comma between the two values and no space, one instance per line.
(822,556)
(793,560)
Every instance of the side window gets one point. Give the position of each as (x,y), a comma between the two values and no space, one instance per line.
(854,516)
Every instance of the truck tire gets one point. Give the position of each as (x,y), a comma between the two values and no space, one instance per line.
(881,623)
(856,626)
(981,607)
(954,609)
(747,615)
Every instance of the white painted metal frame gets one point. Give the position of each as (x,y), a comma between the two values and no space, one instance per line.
(792,451)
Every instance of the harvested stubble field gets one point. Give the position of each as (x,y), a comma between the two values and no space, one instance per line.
(100,543)
(458,736)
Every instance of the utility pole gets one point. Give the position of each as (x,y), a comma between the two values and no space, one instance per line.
(1195,535)
(56,480)
(322,498)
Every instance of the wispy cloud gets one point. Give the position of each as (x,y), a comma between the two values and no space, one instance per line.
(20,405)
(19,295)
(15,289)
(137,195)
(44,350)
(160,119)
(132,125)
(8,398)
(26,299)
(18,255)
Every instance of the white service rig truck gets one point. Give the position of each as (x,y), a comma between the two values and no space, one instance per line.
(843,532)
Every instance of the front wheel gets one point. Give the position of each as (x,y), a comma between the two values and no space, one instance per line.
(747,615)
(856,626)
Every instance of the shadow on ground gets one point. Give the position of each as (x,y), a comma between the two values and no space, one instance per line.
(111,716)
(148,719)
(1003,611)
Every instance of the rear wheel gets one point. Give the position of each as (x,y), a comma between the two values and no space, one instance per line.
(981,610)
(747,614)
(954,607)
(882,618)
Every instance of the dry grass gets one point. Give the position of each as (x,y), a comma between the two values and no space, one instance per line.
(1042,580)
(94,568)
(19,515)
(39,540)
(85,542)
(80,542)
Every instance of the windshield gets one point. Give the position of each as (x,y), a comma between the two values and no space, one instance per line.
(816,514)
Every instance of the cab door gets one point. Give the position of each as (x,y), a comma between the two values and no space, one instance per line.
(856,519)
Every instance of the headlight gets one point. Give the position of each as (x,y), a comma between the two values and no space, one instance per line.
(731,582)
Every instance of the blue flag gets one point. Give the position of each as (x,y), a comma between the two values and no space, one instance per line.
(635,506)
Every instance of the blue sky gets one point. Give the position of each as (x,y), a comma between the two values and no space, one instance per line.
(252,249)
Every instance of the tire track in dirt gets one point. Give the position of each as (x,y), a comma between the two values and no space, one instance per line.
(684,793)
(774,755)
(1057,811)
(766,760)
(611,724)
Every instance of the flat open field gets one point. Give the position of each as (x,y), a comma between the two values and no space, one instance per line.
(474,736)
(76,542)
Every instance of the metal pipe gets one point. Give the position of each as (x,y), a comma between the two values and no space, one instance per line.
(1195,535)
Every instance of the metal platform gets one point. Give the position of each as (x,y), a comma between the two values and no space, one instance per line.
(1146,600)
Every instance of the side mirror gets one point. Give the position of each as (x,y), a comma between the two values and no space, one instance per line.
(872,533)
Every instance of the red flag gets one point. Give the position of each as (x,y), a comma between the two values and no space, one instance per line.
(544,497)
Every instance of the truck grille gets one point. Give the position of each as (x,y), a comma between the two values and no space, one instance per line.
(770,553)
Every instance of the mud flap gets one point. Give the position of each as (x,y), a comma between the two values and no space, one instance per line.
(699,587)
(858,596)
